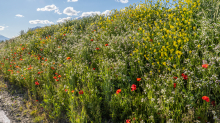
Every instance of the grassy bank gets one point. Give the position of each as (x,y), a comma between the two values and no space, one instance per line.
(143,64)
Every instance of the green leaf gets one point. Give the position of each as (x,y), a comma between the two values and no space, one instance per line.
(183,90)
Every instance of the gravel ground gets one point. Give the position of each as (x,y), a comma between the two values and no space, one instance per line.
(10,104)
(15,108)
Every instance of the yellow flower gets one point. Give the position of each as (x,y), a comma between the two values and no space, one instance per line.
(164,63)
(169,69)
(194,28)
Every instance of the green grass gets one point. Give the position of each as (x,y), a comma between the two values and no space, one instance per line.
(142,65)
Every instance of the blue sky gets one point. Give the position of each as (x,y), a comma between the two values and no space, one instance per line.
(17,15)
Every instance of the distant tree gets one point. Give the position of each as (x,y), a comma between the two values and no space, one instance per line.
(22,33)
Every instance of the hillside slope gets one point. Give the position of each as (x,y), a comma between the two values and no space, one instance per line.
(141,65)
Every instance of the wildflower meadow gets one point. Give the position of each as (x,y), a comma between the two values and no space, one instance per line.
(146,64)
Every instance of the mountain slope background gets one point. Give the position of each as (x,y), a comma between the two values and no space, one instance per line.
(3,38)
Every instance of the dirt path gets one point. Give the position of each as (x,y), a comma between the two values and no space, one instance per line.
(13,104)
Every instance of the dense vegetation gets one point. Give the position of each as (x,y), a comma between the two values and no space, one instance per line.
(143,64)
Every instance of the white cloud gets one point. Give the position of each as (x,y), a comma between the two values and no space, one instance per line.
(61,20)
(69,11)
(49,8)
(140,6)
(2,27)
(40,21)
(123,1)
(58,12)
(18,15)
(86,14)
(72,0)
(123,9)
(106,13)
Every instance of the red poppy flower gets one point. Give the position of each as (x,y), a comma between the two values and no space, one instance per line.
(205,65)
(205,98)
(184,76)
(128,121)
(36,83)
(133,87)
(118,91)
(213,103)
(174,85)
(81,92)
(138,79)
